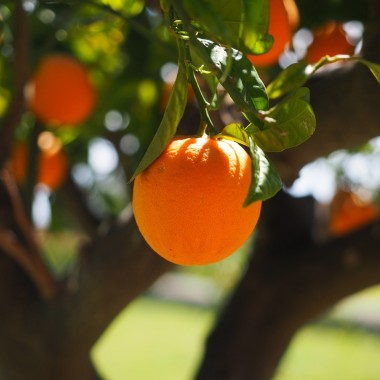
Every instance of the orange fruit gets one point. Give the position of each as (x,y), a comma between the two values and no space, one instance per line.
(188,203)
(60,91)
(349,212)
(52,162)
(281,30)
(329,39)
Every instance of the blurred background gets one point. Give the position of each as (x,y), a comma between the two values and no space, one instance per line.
(129,54)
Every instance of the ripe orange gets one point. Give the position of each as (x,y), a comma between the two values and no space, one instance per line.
(281,29)
(329,39)
(349,212)
(188,204)
(60,91)
(52,164)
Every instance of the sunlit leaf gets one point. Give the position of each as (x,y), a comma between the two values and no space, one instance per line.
(287,124)
(265,182)
(240,79)
(126,7)
(297,74)
(235,132)
(290,78)
(255,26)
(206,16)
(241,24)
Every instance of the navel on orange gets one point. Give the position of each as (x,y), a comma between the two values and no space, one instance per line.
(188,204)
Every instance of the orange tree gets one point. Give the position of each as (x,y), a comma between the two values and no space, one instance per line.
(51,317)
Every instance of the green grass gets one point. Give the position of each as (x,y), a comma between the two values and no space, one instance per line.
(322,353)
(164,341)
(153,340)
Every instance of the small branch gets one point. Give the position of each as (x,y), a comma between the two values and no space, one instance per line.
(208,125)
(40,276)
(18,210)
(29,256)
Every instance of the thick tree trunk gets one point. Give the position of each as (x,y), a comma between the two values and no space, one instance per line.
(51,339)
(290,281)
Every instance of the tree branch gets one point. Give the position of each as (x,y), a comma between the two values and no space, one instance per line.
(18,241)
(346,102)
(113,270)
(289,282)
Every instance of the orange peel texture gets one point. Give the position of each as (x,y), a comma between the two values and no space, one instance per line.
(188,204)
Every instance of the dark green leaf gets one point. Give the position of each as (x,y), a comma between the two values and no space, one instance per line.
(288,124)
(265,182)
(209,17)
(169,123)
(235,132)
(240,79)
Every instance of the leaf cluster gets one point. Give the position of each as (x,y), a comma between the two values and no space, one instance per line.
(214,38)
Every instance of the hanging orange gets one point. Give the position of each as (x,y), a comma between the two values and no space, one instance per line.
(329,39)
(349,212)
(60,91)
(52,162)
(188,204)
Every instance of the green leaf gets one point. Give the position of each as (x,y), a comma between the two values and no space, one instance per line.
(374,67)
(297,74)
(128,8)
(235,132)
(288,124)
(265,182)
(241,24)
(289,79)
(255,26)
(209,17)
(240,78)
(169,123)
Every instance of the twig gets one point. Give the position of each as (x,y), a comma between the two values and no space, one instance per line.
(18,209)
(29,256)
(37,273)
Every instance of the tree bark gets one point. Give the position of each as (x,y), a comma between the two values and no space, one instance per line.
(52,339)
(290,280)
